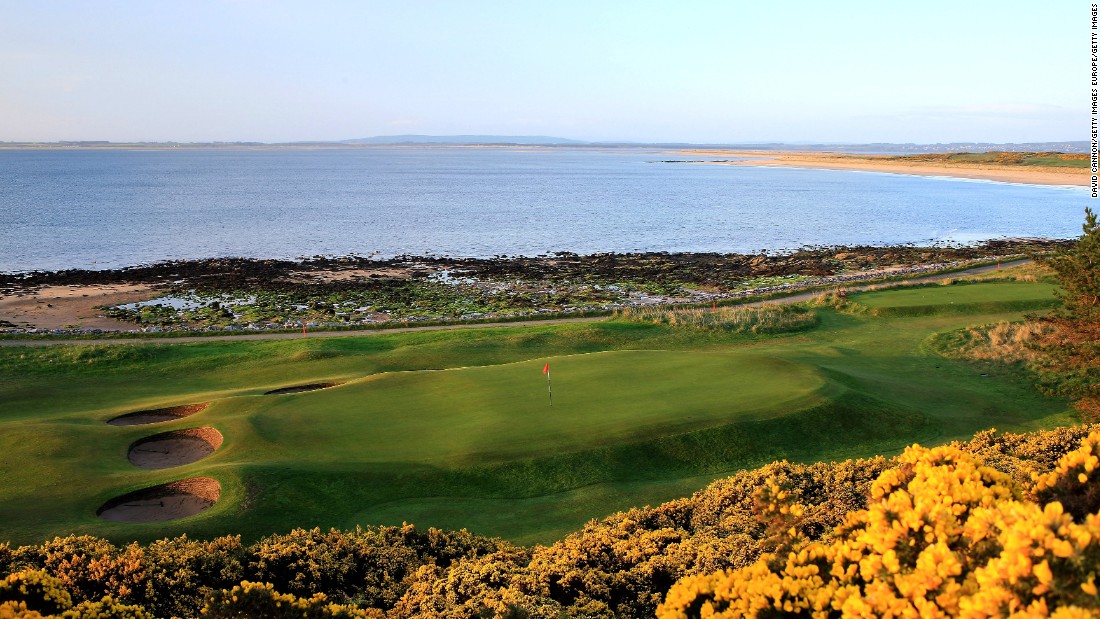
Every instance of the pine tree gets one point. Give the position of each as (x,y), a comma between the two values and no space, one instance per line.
(1071,367)
(1078,271)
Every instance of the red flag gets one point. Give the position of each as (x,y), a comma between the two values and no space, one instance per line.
(549,391)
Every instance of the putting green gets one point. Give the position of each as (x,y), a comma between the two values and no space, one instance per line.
(504,412)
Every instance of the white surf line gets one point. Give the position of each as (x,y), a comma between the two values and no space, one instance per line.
(794,297)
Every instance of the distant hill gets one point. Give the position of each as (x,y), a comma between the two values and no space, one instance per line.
(1070,146)
(461,140)
(881,147)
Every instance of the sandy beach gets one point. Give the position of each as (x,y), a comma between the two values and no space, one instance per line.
(888,164)
(59,307)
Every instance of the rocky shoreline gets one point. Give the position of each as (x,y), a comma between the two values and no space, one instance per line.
(234,294)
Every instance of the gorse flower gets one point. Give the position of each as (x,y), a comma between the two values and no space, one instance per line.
(943,536)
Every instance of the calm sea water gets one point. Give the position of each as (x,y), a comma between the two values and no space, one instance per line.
(106,209)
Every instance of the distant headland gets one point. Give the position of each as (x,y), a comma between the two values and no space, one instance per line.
(1069,146)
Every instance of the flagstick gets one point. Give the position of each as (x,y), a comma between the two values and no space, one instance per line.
(549,391)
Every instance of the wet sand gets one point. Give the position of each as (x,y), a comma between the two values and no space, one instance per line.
(58,307)
(881,163)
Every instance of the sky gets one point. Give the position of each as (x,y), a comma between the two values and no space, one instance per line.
(722,71)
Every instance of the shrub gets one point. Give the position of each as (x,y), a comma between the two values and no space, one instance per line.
(365,566)
(6,559)
(89,567)
(18,610)
(944,535)
(338,563)
(37,591)
(183,573)
(1075,482)
(251,600)
(107,608)
(488,586)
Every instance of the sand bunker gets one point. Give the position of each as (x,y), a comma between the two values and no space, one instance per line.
(301,388)
(158,415)
(176,448)
(170,501)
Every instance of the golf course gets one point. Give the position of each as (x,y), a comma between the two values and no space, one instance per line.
(457,428)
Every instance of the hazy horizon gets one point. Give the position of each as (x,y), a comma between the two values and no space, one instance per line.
(717,73)
(449,140)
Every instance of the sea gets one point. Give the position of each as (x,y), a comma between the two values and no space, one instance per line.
(108,208)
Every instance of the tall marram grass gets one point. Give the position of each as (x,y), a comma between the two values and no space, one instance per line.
(758,319)
(1004,342)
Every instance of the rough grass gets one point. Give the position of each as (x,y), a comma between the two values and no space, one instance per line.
(1025,273)
(764,319)
(1003,342)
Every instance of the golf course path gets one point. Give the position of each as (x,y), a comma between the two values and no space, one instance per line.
(792,298)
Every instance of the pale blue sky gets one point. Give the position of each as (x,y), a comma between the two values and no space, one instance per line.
(720,71)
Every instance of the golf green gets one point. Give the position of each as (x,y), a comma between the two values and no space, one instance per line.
(505,412)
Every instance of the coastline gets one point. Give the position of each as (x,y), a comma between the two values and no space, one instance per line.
(236,294)
(1065,177)
(782,295)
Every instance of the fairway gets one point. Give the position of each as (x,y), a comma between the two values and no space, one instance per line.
(456,428)
(961,298)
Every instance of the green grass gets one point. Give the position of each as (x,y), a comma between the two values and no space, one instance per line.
(454,428)
(1051,159)
(958,298)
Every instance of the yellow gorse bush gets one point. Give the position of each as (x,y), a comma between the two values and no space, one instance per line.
(942,536)
(1078,465)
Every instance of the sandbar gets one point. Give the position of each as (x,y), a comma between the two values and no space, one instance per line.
(890,164)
